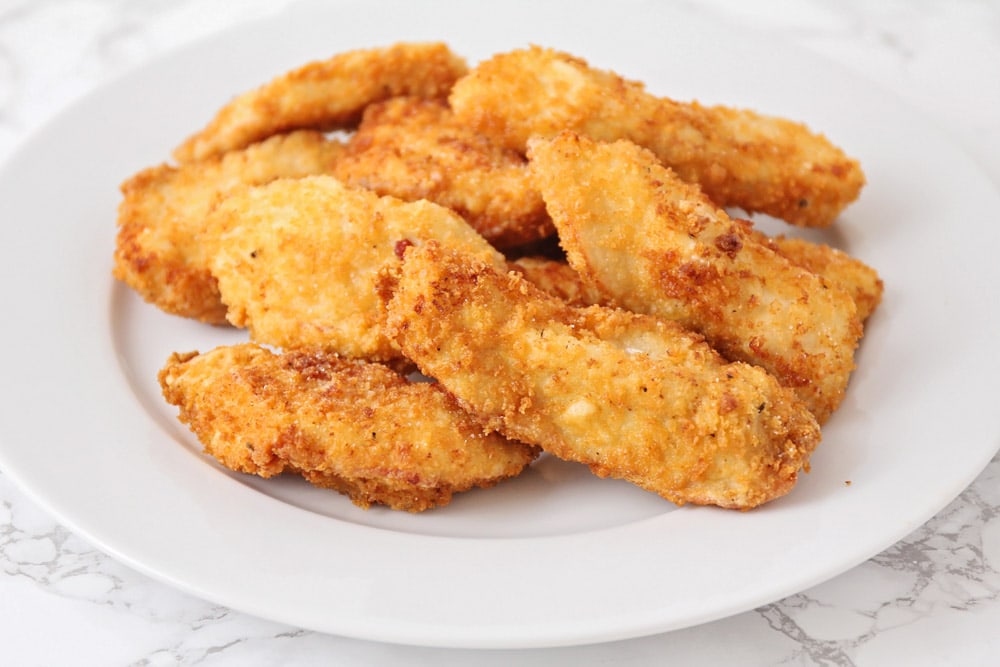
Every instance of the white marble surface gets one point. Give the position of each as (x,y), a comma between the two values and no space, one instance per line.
(933,598)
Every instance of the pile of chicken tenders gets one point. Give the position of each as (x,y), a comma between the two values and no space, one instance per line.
(446,271)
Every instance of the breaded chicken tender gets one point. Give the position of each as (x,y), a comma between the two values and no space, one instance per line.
(739,158)
(413,148)
(296,260)
(559,279)
(658,245)
(158,251)
(632,396)
(326,95)
(852,275)
(355,427)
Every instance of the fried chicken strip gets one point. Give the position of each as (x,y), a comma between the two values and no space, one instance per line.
(559,279)
(739,157)
(326,95)
(413,148)
(296,260)
(355,427)
(657,245)
(158,252)
(852,275)
(631,396)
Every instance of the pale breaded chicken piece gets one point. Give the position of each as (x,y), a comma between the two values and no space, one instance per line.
(859,280)
(413,148)
(739,158)
(657,245)
(632,396)
(158,251)
(356,427)
(326,95)
(559,279)
(296,260)
(852,275)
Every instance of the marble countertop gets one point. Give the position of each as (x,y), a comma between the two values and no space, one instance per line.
(933,598)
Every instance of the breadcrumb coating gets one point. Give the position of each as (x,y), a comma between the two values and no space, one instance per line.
(355,427)
(740,158)
(852,275)
(632,396)
(326,95)
(413,149)
(296,260)
(656,244)
(158,251)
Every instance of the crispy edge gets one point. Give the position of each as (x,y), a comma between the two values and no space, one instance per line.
(559,279)
(355,427)
(158,250)
(739,157)
(413,148)
(326,95)
(852,275)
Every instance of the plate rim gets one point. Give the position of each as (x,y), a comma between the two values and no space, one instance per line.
(417,634)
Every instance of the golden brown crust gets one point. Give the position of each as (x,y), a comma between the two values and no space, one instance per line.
(355,427)
(656,244)
(413,149)
(326,95)
(740,158)
(296,260)
(852,275)
(558,279)
(158,251)
(630,395)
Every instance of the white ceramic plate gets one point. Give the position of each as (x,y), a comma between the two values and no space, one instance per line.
(557,556)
